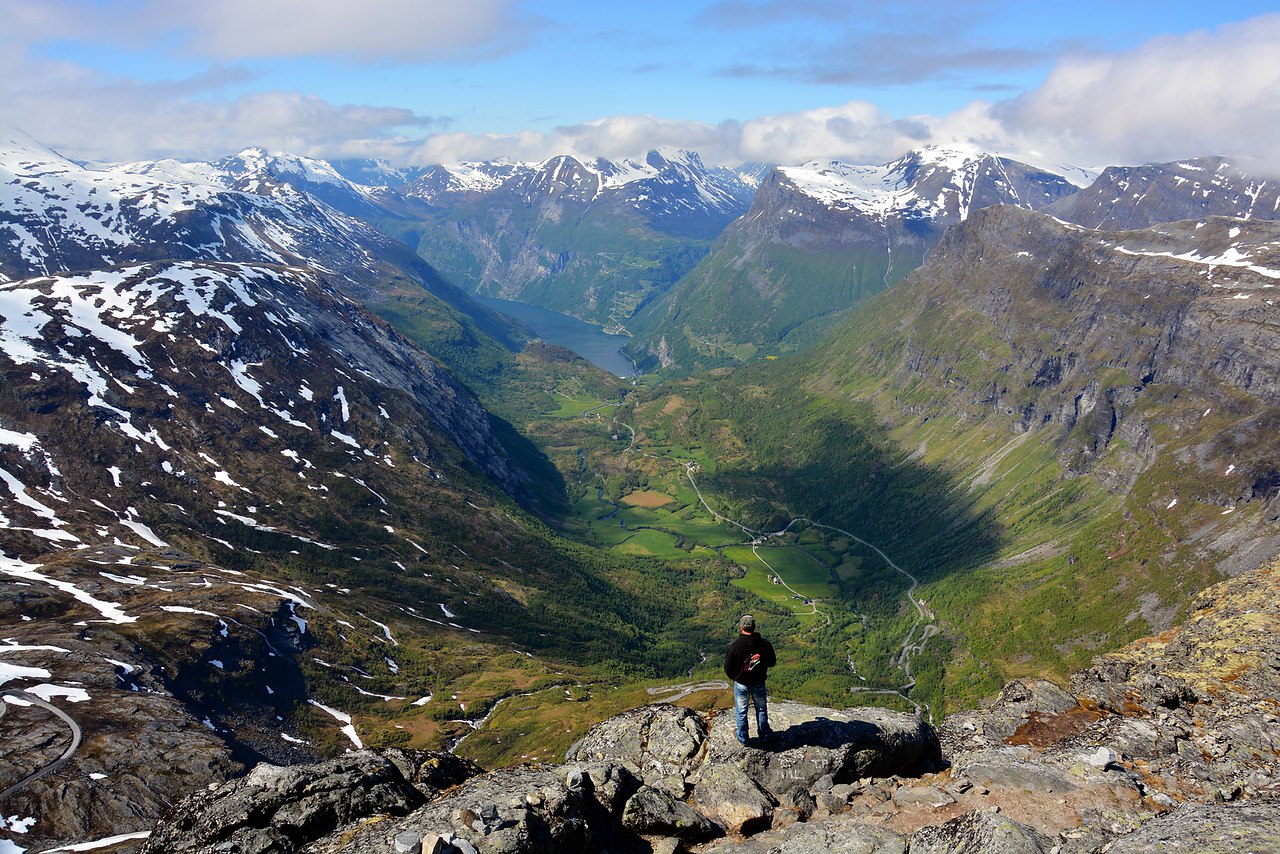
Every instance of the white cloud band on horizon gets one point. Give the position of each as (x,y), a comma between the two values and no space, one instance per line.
(1206,92)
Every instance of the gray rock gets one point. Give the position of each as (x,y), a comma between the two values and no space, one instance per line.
(282,809)
(652,812)
(983,832)
(1019,702)
(811,743)
(661,743)
(525,810)
(1208,829)
(835,836)
(725,793)
(921,796)
(843,839)
(1001,769)
(408,842)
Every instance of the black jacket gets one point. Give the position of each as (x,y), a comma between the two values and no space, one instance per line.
(741,651)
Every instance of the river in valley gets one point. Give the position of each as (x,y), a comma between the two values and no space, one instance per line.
(585,339)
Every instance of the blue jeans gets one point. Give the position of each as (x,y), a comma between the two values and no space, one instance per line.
(754,693)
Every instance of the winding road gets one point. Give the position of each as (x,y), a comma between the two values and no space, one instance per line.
(917,636)
(61,760)
(911,645)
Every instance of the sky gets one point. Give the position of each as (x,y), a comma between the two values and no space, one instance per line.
(416,82)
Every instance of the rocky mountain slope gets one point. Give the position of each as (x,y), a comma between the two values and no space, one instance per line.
(1127,197)
(520,230)
(1171,739)
(592,238)
(241,516)
(819,238)
(57,216)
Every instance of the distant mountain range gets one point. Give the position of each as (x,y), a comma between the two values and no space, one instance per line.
(713,266)
(818,239)
(594,238)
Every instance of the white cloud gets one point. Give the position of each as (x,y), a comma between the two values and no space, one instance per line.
(84,115)
(858,132)
(1174,96)
(369,30)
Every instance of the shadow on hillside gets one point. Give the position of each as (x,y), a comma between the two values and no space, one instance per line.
(844,472)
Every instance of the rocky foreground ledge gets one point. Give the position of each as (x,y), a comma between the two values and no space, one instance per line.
(1170,744)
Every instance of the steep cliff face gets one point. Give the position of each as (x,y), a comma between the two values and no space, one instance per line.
(1020,318)
(1062,433)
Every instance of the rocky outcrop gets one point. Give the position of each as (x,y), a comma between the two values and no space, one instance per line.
(1166,743)
(657,773)
(280,809)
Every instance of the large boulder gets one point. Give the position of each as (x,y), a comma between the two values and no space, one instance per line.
(660,743)
(810,743)
(653,812)
(540,809)
(834,836)
(726,793)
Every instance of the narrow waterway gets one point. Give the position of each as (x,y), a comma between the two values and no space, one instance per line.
(586,339)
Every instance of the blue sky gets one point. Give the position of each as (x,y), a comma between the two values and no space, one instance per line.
(778,80)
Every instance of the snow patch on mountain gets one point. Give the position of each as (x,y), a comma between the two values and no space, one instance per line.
(929,183)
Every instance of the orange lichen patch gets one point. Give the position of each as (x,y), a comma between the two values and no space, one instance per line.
(1133,710)
(1237,671)
(1043,729)
(647,498)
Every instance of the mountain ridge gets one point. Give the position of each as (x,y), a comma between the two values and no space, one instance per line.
(819,239)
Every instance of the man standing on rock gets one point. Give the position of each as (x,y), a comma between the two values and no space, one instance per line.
(747,663)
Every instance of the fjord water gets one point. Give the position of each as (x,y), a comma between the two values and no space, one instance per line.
(586,339)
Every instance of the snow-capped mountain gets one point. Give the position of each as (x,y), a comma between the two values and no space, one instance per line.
(376,173)
(590,237)
(257,171)
(59,216)
(205,469)
(1126,197)
(212,458)
(447,184)
(673,182)
(820,237)
(938,182)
